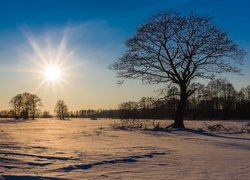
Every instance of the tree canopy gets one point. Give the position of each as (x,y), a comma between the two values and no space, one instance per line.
(61,109)
(25,105)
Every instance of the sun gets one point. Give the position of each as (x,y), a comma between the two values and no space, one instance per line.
(54,62)
(52,73)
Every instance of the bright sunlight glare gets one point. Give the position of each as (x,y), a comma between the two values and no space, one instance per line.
(51,56)
(52,73)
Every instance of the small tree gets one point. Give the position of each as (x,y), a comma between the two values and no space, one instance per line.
(61,109)
(174,49)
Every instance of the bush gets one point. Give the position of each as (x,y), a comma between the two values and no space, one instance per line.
(136,124)
(246,128)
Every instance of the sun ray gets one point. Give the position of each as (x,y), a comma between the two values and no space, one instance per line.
(38,87)
(49,50)
(38,50)
(67,57)
(61,48)
(53,59)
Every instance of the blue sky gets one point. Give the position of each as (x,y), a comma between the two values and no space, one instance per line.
(97,30)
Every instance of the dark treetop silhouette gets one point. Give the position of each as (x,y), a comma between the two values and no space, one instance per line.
(171,48)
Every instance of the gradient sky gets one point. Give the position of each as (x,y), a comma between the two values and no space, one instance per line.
(92,35)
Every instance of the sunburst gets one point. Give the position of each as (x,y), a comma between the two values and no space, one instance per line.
(52,73)
(52,62)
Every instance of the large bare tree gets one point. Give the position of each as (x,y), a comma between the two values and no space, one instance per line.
(174,49)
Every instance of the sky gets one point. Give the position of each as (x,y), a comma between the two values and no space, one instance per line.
(84,38)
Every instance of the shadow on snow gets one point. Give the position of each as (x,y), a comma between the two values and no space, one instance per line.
(199,132)
(129,159)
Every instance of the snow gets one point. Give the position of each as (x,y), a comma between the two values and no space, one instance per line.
(91,149)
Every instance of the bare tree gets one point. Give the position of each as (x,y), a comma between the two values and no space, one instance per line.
(61,109)
(34,102)
(171,48)
(16,104)
(25,105)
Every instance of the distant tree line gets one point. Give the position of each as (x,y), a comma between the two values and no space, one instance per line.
(219,100)
(10,114)
(27,105)
(91,113)
(216,100)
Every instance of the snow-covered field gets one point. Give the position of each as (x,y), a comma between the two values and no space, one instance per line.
(91,149)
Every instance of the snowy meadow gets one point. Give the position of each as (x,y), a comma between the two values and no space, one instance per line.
(94,149)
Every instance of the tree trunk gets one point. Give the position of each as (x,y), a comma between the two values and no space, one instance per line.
(33,111)
(179,115)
